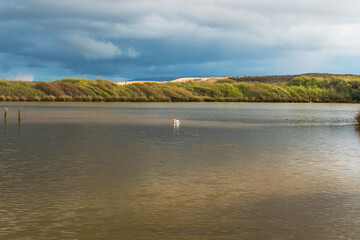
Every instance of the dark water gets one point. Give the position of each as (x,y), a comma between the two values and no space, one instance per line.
(229,171)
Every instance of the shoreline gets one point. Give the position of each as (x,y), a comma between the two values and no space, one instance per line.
(194,100)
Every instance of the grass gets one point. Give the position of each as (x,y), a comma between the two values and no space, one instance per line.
(296,88)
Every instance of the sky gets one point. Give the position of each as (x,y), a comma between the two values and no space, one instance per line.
(45,40)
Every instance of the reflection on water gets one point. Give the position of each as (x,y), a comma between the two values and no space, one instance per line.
(176,127)
(230,171)
(357,129)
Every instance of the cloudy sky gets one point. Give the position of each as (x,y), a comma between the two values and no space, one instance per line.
(127,39)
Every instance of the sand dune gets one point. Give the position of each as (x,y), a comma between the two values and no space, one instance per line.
(187,79)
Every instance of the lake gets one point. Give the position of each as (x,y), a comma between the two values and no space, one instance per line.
(257,171)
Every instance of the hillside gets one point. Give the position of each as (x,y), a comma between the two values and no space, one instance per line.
(313,87)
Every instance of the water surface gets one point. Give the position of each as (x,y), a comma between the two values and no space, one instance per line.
(228,171)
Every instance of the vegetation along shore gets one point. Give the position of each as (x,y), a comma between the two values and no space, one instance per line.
(312,87)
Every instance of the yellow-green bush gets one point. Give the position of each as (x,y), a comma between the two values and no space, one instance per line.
(300,88)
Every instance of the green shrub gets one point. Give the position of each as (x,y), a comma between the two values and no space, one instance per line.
(301,88)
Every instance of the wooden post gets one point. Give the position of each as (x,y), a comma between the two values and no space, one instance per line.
(5,113)
(19,113)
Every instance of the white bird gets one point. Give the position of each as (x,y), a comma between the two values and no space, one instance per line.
(176,121)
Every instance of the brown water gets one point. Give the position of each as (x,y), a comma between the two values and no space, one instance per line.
(229,171)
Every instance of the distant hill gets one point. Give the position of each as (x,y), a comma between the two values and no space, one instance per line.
(264,79)
(286,78)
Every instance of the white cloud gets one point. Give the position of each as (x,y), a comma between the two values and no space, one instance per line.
(297,24)
(306,33)
(20,77)
(94,49)
(131,52)
(258,22)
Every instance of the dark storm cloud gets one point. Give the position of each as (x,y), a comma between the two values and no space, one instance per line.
(116,38)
